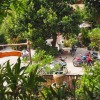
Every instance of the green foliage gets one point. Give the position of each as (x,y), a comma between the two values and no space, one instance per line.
(41,56)
(95,38)
(39,20)
(89,86)
(81,13)
(4,6)
(61,92)
(70,42)
(93,10)
(2,40)
(86,39)
(93,5)
(10,25)
(17,83)
(42,60)
(50,51)
(11,79)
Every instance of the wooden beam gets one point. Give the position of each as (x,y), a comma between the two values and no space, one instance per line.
(14,44)
(29,50)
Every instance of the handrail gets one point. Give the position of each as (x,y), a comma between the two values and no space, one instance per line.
(2,45)
(19,44)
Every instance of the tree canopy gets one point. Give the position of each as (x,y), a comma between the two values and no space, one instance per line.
(93,9)
(40,19)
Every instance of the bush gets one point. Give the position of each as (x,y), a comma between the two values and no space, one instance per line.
(94,36)
(49,50)
(18,84)
(70,42)
(89,86)
(22,40)
(2,40)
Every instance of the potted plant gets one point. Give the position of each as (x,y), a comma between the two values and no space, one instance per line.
(58,77)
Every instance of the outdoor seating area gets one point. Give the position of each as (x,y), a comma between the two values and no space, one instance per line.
(50,49)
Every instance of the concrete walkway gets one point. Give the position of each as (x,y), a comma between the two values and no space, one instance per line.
(71,68)
(13,59)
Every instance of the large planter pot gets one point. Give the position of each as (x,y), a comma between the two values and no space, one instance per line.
(58,77)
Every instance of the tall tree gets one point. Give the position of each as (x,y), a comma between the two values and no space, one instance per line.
(10,25)
(42,19)
(4,8)
(93,9)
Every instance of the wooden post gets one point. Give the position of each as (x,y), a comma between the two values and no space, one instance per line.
(29,50)
(28,47)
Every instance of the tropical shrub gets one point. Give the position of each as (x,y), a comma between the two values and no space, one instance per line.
(94,36)
(43,60)
(51,51)
(16,83)
(70,42)
(62,92)
(2,40)
(89,86)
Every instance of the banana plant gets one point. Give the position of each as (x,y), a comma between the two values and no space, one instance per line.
(20,84)
(13,78)
(32,84)
(2,81)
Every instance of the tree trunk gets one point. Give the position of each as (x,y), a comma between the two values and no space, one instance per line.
(97,19)
(54,40)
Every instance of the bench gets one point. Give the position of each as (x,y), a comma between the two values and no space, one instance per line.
(10,53)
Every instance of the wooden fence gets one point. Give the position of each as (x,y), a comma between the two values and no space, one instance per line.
(15,52)
(67,78)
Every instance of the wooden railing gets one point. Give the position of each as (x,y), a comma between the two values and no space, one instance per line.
(67,78)
(15,53)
